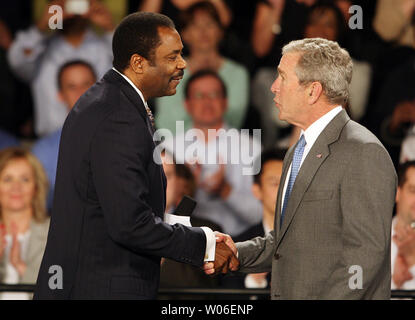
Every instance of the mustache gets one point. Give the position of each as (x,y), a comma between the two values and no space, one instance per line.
(179,74)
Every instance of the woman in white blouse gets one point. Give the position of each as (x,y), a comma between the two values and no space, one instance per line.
(23,219)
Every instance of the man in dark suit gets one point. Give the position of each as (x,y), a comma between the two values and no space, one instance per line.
(107,232)
(332,233)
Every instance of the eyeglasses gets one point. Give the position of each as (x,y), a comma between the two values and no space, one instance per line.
(210,95)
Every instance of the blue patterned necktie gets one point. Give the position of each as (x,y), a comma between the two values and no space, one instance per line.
(298,155)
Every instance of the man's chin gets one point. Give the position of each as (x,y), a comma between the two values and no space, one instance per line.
(168,92)
(171,92)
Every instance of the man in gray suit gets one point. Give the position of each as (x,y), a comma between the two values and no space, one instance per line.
(332,231)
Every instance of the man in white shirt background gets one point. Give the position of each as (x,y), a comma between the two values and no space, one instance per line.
(217,156)
(403,230)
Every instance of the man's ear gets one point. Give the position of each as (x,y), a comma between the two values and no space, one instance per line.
(137,63)
(256,190)
(314,92)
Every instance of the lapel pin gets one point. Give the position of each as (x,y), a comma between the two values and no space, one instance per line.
(319,155)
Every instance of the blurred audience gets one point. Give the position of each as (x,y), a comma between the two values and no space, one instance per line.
(36,55)
(15,99)
(408,145)
(223,191)
(173,8)
(393,21)
(7,140)
(265,189)
(393,112)
(73,80)
(277,22)
(24,223)
(180,182)
(403,230)
(202,31)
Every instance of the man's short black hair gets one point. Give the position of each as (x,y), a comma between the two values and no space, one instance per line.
(201,74)
(402,170)
(274,154)
(138,34)
(72,63)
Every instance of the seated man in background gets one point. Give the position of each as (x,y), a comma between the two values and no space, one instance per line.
(265,189)
(403,230)
(223,189)
(74,78)
(173,274)
(36,55)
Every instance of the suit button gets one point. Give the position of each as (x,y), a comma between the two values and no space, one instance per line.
(277,256)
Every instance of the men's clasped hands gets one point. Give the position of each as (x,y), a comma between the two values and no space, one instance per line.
(225,256)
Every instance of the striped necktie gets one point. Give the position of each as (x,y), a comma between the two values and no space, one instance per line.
(298,156)
(150,116)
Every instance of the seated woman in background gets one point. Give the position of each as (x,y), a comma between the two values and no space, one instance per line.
(23,219)
(202,32)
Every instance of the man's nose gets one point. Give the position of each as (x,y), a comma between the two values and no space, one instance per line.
(182,63)
(274,86)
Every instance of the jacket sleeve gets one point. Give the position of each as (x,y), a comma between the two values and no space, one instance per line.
(255,255)
(366,203)
(120,152)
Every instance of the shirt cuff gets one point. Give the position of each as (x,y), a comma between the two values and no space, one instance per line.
(412,271)
(210,244)
(251,283)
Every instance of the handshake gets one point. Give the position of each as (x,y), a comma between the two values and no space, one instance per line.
(225,256)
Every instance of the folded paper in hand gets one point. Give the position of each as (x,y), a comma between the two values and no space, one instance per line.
(182,213)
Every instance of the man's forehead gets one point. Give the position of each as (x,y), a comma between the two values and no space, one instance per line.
(170,40)
(410,176)
(288,60)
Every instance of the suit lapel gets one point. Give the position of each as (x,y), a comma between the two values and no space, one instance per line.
(130,93)
(135,99)
(315,158)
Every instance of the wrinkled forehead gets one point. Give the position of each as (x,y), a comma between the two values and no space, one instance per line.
(170,41)
(289,62)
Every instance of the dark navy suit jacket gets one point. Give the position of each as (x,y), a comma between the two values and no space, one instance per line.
(107,231)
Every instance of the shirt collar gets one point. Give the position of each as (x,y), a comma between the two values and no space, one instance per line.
(133,85)
(312,132)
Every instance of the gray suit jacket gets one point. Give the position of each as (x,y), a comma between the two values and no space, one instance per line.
(35,249)
(338,217)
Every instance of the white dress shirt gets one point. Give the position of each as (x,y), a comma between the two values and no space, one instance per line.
(240,210)
(36,58)
(210,236)
(311,134)
(410,284)
(11,274)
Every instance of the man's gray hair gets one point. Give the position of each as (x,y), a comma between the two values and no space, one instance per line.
(326,62)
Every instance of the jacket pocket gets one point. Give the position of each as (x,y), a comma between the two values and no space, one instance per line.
(317,195)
